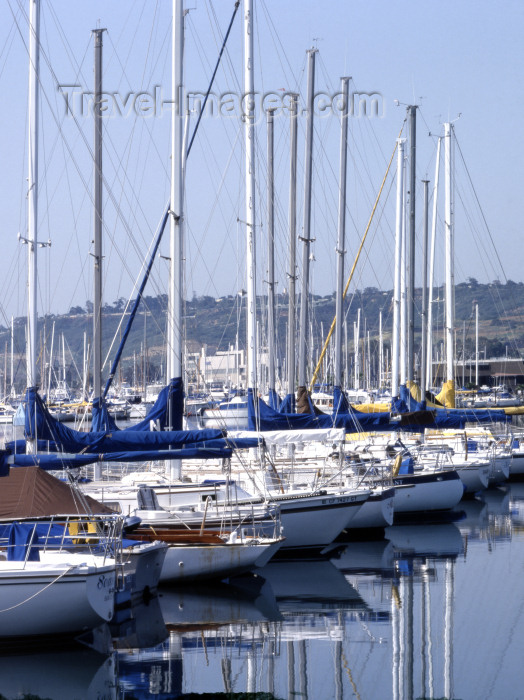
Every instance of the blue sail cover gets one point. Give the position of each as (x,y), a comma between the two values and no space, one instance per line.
(450,417)
(101,419)
(40,424)
(263,417)
(57,461)
(288,404)
(274,399)
(170,401)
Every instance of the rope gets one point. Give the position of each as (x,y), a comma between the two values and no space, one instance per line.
(23,602)
(237,3)
(323,353)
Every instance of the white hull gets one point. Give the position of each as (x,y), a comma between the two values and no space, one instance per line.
(475,477)
(378,511)
(500,469)
(142,568)
(426,492)
(40,599)
(315,521)
(516,467)
(192,562)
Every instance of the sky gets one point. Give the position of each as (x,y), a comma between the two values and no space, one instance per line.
(458,61)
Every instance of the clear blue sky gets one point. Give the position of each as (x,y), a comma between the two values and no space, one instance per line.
(448,57)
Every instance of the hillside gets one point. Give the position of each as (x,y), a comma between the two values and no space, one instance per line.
(217,323)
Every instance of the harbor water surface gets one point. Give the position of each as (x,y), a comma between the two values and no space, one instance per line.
(432,610)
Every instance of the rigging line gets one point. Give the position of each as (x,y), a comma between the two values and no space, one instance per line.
(215,205)
(79,73)
(134,309)
(322,354)
(237,3)
(76,164)
(480,207)
(7,45)
(232,66)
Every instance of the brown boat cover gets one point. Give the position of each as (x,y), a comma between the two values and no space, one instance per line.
(30,492)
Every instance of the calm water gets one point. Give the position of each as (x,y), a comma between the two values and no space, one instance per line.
(430,611)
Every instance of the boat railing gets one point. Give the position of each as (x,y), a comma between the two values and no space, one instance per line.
(27,539)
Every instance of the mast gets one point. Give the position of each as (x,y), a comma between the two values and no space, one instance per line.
(448,223)
(270,258)
(249,126)
(341,239)
(395,345)
(292,274)
(476,345)
(306,239)
(97,238)
(32,194)
(12,372)
(429,363)
(174,355)
(174,320)
(410,348)
(32,200)
(380,352)
(403,286)
(423,359)
(49,375)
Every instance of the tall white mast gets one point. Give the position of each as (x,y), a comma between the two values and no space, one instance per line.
(32,194)
(341,240)
(306,239)
(270,255)
(174,354)
(12,372)
(292,274)
(176,246)
(249,126)
(429,363)
(395,345)
(476,345)
(403,286)
(448,223)
(97,237)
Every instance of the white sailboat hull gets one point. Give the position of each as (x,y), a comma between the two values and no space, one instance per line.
(378,511)
(40,599)
(316,520)
(427,492)
(192,562)
(516,467)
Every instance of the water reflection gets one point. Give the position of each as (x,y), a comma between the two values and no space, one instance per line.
(426,611)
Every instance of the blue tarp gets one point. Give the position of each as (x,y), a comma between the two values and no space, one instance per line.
(170,399)
(449,417)
(61,460)
(288,404)
(265,418)
(40,424)
(22,537)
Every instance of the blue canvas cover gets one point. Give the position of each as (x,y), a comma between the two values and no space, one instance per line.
(263,417)
(40,424)
(61,460)
(274,399)
(288,404)
(450,417)
(22,541)
(170,399)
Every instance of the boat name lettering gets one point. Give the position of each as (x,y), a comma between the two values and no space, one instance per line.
(339,499)
(104,582)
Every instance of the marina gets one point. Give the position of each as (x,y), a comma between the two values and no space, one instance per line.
(421,612)
(281,493)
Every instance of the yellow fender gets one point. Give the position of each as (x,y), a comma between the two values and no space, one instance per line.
(396,465)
